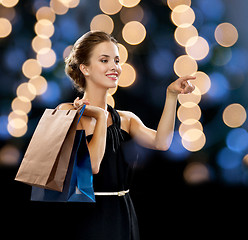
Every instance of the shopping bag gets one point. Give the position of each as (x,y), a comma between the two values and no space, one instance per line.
(78,185)
(46,159)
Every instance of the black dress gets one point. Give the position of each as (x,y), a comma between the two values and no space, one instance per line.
(111,217)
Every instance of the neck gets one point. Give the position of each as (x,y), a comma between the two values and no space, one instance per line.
(97,97)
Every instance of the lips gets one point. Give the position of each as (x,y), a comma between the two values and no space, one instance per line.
(112,76)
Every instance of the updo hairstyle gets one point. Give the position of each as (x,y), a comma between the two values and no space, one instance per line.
(81,53)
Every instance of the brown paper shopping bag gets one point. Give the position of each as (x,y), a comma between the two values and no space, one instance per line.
(47,157)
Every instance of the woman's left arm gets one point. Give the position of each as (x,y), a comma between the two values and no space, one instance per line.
(161,138)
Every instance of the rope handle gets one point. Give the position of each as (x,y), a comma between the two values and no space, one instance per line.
(57,108)
(81,112)
(80,109)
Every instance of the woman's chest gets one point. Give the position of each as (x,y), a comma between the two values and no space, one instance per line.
(89,124)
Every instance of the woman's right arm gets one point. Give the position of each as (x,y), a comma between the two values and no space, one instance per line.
(97,144)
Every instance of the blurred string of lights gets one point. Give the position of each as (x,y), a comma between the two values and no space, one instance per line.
(216,49)
(5,22)
(197,48)
(32,68)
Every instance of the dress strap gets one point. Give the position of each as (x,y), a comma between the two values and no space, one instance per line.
(114,131)
(115,116)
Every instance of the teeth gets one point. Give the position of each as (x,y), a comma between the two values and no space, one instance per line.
(112,76)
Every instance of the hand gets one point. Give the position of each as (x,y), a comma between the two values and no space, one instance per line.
(90,111)
(182,85)
(80,102)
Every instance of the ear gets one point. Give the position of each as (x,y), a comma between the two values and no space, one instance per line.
(84,69)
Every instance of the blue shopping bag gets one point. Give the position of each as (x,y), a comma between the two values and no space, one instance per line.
(78,184)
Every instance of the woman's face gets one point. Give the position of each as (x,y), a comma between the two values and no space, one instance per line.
(104,69)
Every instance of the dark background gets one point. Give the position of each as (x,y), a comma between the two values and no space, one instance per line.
(167,207)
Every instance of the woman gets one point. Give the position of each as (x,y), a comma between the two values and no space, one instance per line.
(93,66)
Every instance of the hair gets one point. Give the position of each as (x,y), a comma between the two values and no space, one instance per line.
(81,53)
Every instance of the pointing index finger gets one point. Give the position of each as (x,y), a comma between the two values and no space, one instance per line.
(185,78)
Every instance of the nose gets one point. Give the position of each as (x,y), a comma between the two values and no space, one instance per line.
(113,66)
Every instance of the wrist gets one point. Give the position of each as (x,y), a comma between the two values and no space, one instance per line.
(102,116)
(171,93)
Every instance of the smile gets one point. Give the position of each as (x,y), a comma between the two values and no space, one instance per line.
(113,76)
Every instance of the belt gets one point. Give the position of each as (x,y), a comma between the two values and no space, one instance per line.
(121,193)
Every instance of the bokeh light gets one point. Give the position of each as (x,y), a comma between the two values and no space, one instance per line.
(5,27)
(112,91)
(58,7)
(110,100)
(183,16)
(110,7)
(14,115)
(127,76)
(39,83)
(46,59)
(132,14)
(194,97)
(185,127)
(228,159)
(234,115)
(40,44)
(9,3)
(21,105)
(102,22)
(17,132)
(184,34)
(174,3)
(45,13)
(226,34)
(196,173)
(221,55)
(197,140)
(123,53)
(134,32)
(9,155)
(237,140)
(177,151)
(197,48)
(193,112)
(44,28)
(219,89)
(185,65)
(26,90)
(202,82)
(129,3)
(161,62)
(31,68)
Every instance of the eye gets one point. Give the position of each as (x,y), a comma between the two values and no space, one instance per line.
(117,61)
(104,60)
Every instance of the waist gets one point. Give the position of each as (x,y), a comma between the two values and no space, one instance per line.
(119,194)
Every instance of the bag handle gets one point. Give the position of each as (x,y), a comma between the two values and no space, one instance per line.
(81,112)
(57,108)
(80,108)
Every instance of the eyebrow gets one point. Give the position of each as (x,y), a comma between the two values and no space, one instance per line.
(105,55)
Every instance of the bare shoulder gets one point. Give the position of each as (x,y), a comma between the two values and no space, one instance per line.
(129,119)
(127,115)
(65,106)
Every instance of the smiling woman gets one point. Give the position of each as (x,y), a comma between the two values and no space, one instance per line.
(94,67)
(80,56)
